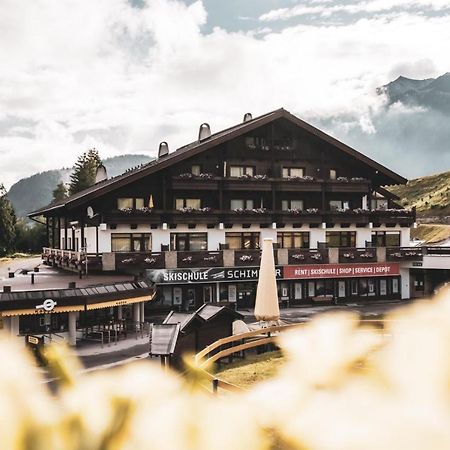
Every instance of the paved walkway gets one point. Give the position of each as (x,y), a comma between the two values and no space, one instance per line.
(48,277)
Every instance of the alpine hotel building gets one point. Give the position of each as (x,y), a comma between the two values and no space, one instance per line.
(192,220)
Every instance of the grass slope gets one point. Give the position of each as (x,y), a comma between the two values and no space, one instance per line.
(430,195)
(431,233)
(252,369)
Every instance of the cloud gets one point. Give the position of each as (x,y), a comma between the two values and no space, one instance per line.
(322,8)
(78,73)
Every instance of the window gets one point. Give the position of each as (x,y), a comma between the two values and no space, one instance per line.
(336,205)
(196,169)
(293,172)
(332,174)
(241,204)
(341,238)
(130,203)
(239,241)
(194,203)
(293,239)
(240,171)
(188,241)
(386,238)
(291,204)
(380,203)
(123,203)
(131,242)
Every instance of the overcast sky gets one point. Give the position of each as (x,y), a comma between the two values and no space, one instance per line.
(123,75)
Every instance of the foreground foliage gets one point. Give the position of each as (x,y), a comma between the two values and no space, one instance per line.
(343,386)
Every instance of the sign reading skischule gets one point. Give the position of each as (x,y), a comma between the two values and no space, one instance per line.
(181,276)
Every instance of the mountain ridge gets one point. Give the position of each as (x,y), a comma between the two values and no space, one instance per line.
(36,191)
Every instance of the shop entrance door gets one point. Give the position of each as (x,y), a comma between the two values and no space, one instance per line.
(246,293)
(208,295)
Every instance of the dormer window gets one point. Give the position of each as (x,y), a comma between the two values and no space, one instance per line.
(289,172)
(240,171)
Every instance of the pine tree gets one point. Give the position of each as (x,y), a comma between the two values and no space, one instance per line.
(7,223)
(60,192)
(84,171)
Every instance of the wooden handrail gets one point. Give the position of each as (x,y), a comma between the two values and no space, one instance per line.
(237,348)
(241,336)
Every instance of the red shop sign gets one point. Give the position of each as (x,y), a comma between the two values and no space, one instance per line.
(341,270)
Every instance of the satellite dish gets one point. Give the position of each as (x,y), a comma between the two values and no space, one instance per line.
(90,212)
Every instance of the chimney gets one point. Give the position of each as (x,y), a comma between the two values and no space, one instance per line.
(163,149)
(247,117)
(101,174)
(204,132)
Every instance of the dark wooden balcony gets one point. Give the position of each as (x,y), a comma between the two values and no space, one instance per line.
(393,216)
(199,259)
(357,255)
(307,256)
(129,216)
(357,216)
(247,184)
(198,183)
(297,185)
(308,216)
(256,216)
(139,260)
(348,185)
(247,257)
(404,254)
(204,216)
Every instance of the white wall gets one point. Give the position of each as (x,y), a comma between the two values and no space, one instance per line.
(316,235)
(363,235)
(217,236)
(404,283)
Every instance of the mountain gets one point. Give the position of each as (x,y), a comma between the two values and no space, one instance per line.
(433,93)
(31,193)
(429,195)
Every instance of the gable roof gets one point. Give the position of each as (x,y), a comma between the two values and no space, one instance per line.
(198,146)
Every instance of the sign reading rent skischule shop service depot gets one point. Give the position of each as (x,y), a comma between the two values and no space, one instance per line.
(341,270)
(181,276)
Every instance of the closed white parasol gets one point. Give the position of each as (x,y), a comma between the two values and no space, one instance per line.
(266,304)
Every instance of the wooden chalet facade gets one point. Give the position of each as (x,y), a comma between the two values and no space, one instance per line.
(192,217)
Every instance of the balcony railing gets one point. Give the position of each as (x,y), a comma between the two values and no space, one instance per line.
(357,255)
(144,260)
(265,183)
(200,259)
(404,254)
(209,215)
(308,256)
(71,259)
(138,261)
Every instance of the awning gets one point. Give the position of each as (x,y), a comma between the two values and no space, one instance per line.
(120,302)
(34,311)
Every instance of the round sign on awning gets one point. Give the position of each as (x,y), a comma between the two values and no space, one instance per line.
(48,305)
